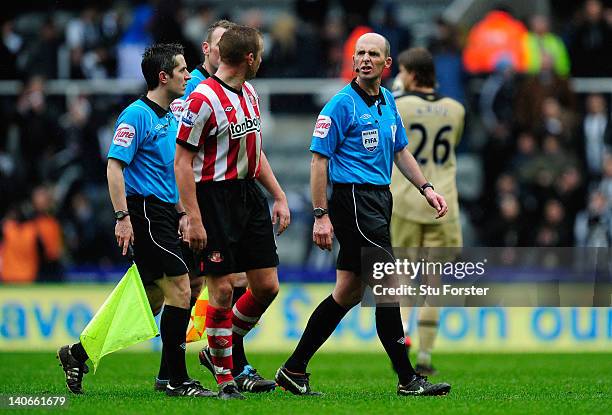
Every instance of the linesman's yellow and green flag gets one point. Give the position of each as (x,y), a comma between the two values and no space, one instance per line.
(123,320)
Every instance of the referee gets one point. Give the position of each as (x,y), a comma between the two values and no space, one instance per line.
(149,215)
(357,137)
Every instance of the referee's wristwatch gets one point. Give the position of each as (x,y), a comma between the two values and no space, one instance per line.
(121,214)
(319,212)
(425,186)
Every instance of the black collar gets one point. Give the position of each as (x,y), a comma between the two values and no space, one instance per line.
(203,70)
(226,86)
(367,98)
(157,109)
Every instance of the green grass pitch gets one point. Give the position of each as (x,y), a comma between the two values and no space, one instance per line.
(352,383)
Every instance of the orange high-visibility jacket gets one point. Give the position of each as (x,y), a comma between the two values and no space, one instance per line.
(496,38)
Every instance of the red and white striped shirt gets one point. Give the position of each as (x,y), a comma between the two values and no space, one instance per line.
(224,126)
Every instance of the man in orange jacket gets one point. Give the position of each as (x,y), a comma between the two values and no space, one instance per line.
(498,36)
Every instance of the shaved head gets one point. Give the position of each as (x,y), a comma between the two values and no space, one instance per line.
(371,39)
(371,58)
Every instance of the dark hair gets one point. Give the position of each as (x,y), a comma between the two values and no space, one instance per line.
(237,42)
(225,24)
(157,58)
(420,62)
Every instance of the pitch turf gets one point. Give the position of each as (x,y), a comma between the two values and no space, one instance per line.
(352,383)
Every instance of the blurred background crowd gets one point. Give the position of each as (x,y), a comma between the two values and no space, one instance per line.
(534,165)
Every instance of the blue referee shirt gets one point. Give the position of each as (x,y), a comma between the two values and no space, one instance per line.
(144,141)
(197,75)
(360,135)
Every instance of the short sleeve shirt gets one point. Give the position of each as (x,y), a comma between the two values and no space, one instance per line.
(144,141)
(360,135)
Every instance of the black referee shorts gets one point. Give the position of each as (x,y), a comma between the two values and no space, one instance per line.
(157,247)
(238,226)
(360,215)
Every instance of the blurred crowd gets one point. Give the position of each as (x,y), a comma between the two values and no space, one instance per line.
(544,150)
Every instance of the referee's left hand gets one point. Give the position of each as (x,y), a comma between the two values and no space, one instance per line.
(281,214)
(436,201)
(182,229)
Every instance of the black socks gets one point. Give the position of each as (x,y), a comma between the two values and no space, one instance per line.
(163,366)
(391,334)
(321,325)
(78,352)
(173,326)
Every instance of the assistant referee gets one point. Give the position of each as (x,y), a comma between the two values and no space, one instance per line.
(357,137)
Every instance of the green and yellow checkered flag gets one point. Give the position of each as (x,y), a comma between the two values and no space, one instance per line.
(124,319)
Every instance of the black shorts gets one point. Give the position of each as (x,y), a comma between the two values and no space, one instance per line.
(238,227)
(157,247)
(360,215)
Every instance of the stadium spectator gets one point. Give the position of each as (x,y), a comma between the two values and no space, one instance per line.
(569,189)
(606,182)
(497,116)
(592,38)
(553,231)
(533,89)
(497,100)
(10,47)
(167,27)
(41,55)
(32,241)
(82,35)
(526,150)
(292,51)
(498,36)
(399,37)
(595,135)
(19,249)
(285,58)
(332,44)
(348,49)
(39,131)
(312,12)
(593,226)
(550,164)
(505,226)
(49,233)
(198,22)
(356,13)
(556,120)
(541,43)
(84,238)
(133,42)
(446,50)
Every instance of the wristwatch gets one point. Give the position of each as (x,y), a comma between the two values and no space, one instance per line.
(319,212)
(120,214)
(425,186)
